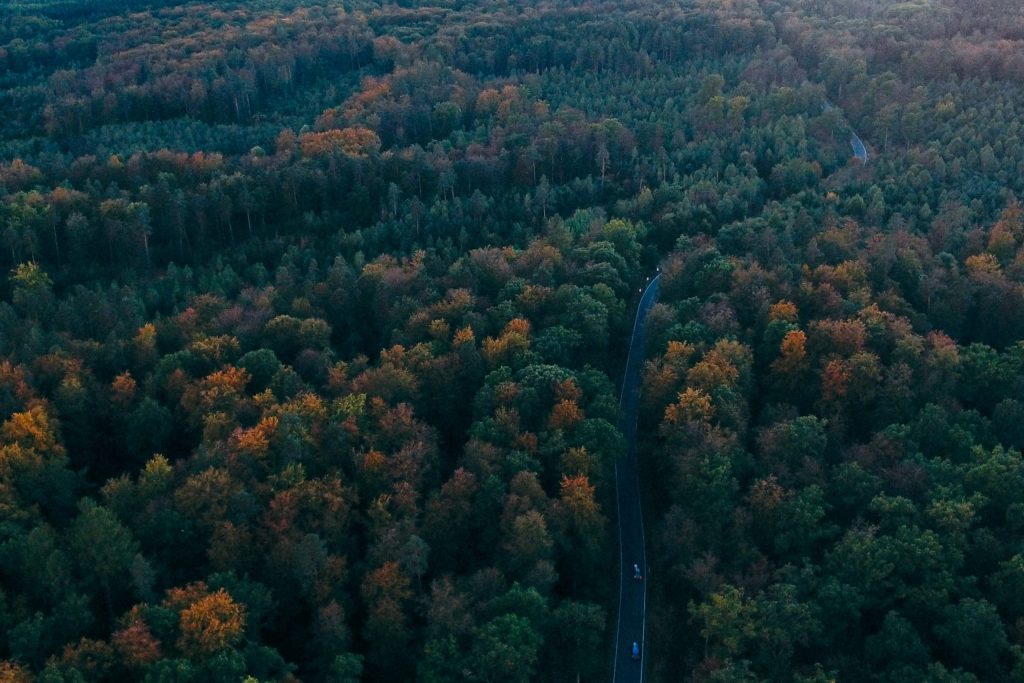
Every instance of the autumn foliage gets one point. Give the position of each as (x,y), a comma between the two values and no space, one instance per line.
(313,317)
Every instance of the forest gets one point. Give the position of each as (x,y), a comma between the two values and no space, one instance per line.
(313,315)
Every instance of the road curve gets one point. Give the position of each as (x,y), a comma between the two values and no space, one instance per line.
(859,150)
(632,617)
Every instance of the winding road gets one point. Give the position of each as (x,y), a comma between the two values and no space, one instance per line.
(632,616)
(859,150)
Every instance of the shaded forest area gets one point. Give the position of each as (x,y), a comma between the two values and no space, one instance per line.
(315,311)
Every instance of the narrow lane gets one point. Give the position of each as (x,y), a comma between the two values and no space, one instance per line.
(632,615)
(859,150)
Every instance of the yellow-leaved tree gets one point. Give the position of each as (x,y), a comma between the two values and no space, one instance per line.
(210,624)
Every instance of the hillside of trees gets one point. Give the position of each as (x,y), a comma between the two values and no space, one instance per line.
(313,314)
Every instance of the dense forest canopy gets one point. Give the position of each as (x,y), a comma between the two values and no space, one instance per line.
(314,312)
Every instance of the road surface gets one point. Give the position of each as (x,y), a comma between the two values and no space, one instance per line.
(859,150)
(632,616)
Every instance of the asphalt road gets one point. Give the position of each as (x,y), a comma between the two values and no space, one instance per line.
(632,617)
(859,150)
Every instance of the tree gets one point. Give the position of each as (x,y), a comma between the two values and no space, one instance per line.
(103,548)
(211,624)
(898,642)
(974,635)
(581,528)
(504,649)
(784,623)
(136,645)
(33,289)
(346,668)
(442,662)
(792,353)
(527,542)
(385,591)
(449,518)
(575,639)
(725,622)
(13,672)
